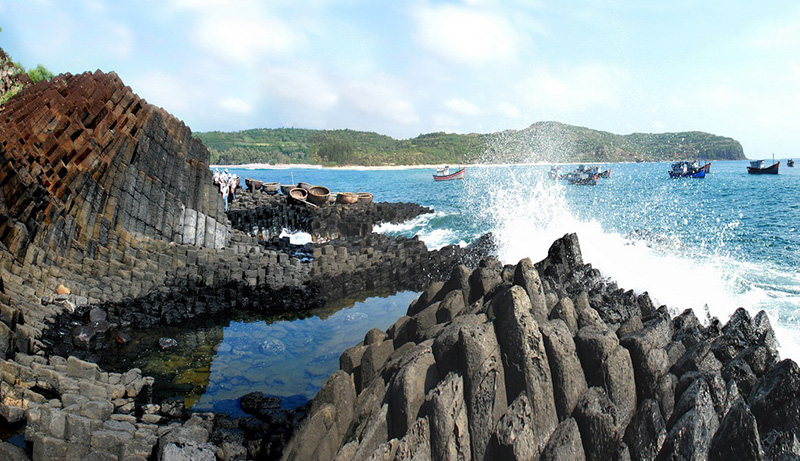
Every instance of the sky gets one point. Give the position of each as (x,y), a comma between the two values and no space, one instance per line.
(407,67)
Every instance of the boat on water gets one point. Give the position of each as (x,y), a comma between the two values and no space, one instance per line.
(585,180)
(790,163)
(707,167)
(757,167)
(686,169)
(444,174)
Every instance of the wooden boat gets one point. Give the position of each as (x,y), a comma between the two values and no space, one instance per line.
(757,167)
(790,163)
(444,174)
(707,167)
(365,197)
(318,195)
(606,174)
(271,188)
(346,198)
(253,185)
(297,194)
(589,180)
(687,170)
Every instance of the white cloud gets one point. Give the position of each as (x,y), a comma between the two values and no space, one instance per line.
(575,89)
(466,34)
(243,38)
(301,85)
(164,90)
(120,43)
(236,106)
(381,96)
(508,110)
(462,107)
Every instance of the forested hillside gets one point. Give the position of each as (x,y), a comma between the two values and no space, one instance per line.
(542,141)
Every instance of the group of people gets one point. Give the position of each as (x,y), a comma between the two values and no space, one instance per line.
(227,183)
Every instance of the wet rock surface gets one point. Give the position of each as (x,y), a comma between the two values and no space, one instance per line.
(626,382)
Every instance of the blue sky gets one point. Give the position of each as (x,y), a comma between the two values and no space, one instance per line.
(407,67)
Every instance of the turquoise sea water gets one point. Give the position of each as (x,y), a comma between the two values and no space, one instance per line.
(712,245)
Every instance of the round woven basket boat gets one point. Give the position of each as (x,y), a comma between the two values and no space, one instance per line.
(365,197)
(305,185)
(271,188)
(346,198)
(285,188)
(318,195)
(298,194)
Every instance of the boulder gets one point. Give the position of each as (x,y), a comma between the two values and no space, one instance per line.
(594,345)
(597,420)
(406,392)
(451,307)
(620,384)
(373,359)
(525,359)
(775,399)
(692,424)
(514,432)
(565,310)
(569,383)
(484,384)
(564,444)
(737,436)
(527,277)
(646,432)
(446,410)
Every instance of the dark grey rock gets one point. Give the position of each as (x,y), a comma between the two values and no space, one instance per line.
(565,310)
(374,336)
(775,399)
(447,417)
(485,279)
(527,277)
(692,425)
(340,392)
(646,432)
(373,359)
(484,384)
(445,344)
(451,306)
(406,392)
(565,443)
(737,436)
(620,384)
(594,345)
(569,383)
(597,420)
(514,432)
(525,359)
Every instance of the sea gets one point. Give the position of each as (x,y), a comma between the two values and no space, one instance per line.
(712,245)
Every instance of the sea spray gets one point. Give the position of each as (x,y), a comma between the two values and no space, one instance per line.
(527,211)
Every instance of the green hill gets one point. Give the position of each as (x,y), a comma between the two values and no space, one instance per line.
(542,141)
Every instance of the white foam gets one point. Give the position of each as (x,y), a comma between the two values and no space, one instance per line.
(528,216)
(296,238)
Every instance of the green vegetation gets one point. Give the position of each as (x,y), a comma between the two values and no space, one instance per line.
(541,142)
(39,73)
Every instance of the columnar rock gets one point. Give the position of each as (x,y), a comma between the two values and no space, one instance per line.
(627,384)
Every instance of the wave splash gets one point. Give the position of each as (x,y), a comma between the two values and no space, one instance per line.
(528,211)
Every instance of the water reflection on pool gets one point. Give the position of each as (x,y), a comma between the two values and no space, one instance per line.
(291,358)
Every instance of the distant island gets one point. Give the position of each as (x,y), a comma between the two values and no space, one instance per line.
(540,142)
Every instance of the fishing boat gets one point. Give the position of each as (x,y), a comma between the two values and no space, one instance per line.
(790,163)
(444,174)
(585,180)
(757,167)
(707,167)
(686,169)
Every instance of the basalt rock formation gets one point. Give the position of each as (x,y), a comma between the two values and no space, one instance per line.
(551,361)
(109,218)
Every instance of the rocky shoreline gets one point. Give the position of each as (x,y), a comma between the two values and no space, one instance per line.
(110,200)
(552,361)
(109,222)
